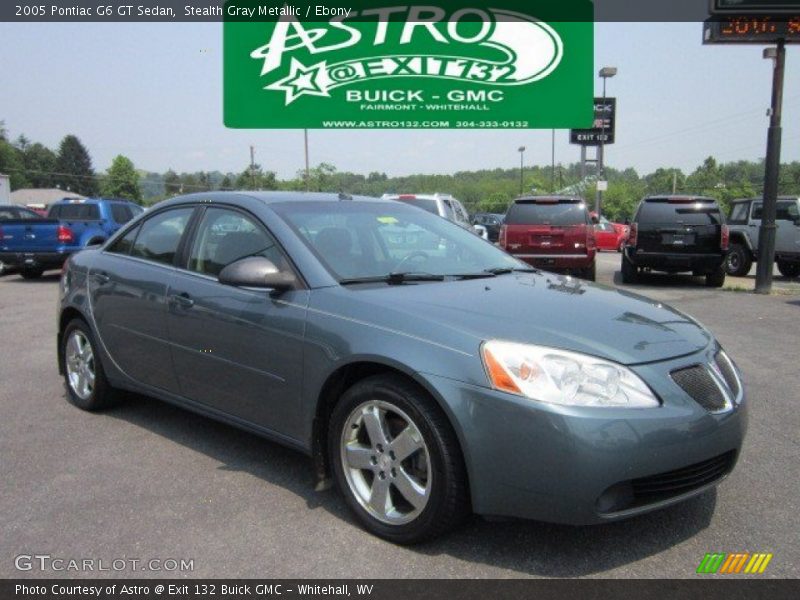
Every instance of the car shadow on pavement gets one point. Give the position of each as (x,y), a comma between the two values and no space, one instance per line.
(527,547)
(17,279)
(663,280)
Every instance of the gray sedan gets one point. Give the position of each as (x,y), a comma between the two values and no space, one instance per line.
(426,372)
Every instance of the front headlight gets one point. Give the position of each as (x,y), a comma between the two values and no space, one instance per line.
(561,377)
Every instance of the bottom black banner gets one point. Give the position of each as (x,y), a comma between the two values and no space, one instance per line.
(387,589)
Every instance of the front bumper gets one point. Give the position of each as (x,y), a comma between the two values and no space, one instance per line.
(575,465)
(35,260)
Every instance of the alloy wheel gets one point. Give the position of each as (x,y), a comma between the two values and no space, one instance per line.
(80,365)
(386,462)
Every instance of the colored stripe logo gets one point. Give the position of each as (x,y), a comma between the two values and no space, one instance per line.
(734,563)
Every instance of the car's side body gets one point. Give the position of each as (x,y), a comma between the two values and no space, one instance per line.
(274,364)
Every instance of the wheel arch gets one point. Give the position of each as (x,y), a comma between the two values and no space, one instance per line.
(67,315)
(344,377)
(740,237)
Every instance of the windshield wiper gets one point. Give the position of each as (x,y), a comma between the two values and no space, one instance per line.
(393,278)
(506,270)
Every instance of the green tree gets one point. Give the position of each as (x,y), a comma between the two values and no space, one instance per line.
(226,183)
(11,164)
(40,164)
(74,166)
(3,132)
(122,180)
(172,183)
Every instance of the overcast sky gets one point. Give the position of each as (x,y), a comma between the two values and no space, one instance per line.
(154,93)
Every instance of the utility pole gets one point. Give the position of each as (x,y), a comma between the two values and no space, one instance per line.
(253,166)
(674,183)
(308,168)
(521,151)
(766,237)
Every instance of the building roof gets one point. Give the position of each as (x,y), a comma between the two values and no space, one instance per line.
(29,196)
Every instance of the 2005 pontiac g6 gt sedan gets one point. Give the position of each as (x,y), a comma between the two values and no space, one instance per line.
(426,371)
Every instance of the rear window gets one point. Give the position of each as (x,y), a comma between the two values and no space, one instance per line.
(77,212)
(561,213)
(685,213)
(423,203)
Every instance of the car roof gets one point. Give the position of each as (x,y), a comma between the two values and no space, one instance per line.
(273,197)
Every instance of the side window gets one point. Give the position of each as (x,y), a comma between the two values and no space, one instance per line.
(787,211)
(225,236)
(55,212)
(121,213)
(739,213)
(757,210)
(160,235)
(24,213)
(124,244)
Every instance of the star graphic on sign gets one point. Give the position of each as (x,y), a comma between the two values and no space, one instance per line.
(301,81)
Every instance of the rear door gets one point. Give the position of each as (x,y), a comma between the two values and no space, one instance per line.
(754,227)
(128,288)
(679,226)
(545,226)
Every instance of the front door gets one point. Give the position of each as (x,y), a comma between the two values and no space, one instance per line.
(237,350)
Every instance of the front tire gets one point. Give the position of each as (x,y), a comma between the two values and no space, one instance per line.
(789,270)
(397,461)
(738,261)
(85,380)
(590,273)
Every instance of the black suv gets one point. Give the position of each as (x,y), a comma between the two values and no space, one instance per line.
(493,223)
(675,234)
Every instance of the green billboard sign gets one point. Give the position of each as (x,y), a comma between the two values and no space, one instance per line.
(512,65)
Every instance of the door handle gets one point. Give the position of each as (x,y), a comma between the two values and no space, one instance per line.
(182,300)
(101,278)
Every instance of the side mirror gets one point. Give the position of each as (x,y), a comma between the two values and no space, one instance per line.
(480,231)
(257,272)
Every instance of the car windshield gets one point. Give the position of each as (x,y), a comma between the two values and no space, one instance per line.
(373,240)
(558,213)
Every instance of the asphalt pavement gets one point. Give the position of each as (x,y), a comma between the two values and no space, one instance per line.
(149,481)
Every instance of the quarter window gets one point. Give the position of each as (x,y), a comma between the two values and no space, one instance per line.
(160,236)
(225,236)
(787,211)
(739,213)
(121,213)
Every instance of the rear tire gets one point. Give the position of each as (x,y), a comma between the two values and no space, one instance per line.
(716,279)
(789,270)
(630,273)
(739,261)
(31,273)
(396,460)
(84,378)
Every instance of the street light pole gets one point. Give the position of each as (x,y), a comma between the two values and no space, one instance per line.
(521,151)
(553,161)
(605,73)
(766,236)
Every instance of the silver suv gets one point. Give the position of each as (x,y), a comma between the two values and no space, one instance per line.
(744,224)
(443,205)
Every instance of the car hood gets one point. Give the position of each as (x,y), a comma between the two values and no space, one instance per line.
(545,309)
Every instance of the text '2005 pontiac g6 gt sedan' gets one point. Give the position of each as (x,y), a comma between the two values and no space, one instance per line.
(428,373)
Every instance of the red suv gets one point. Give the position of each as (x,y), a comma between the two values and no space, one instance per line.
(551,232)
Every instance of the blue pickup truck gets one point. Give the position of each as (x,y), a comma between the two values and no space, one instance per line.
(33,246)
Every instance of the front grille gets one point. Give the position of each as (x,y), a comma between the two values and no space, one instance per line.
(700,385)
(677,482)
(726,368)
(636,493)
